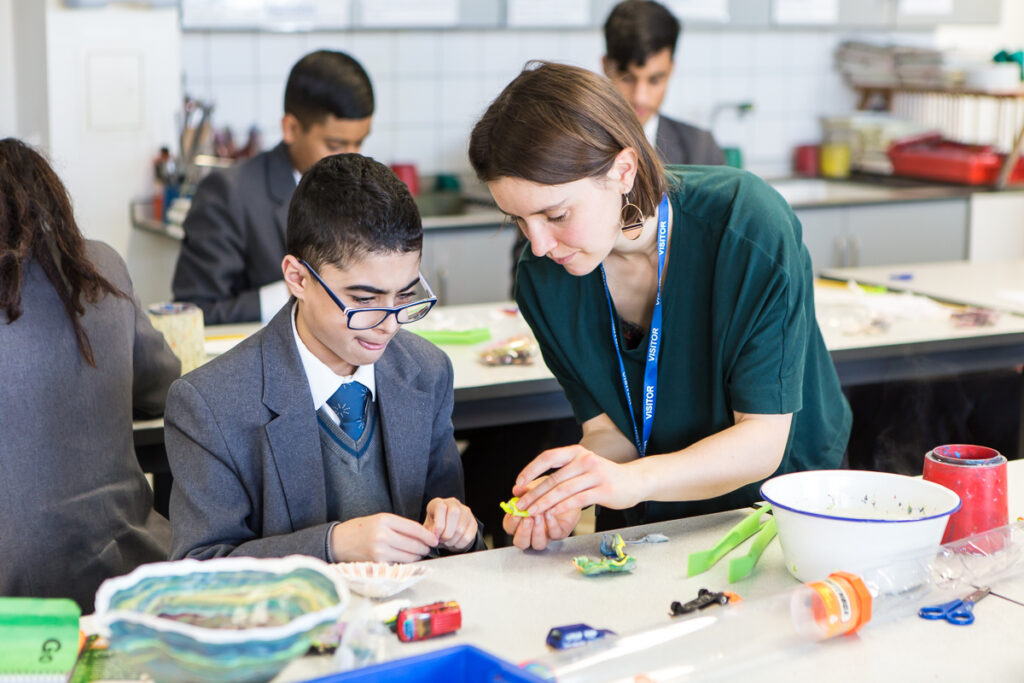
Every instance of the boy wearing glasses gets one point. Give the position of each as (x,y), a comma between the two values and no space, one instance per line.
(329,432)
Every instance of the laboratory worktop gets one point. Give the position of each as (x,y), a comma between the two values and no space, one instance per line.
(510,598)
(801,193)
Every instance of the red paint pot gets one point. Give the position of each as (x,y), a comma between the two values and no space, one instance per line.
(805,160)
(407,174)
(978,475)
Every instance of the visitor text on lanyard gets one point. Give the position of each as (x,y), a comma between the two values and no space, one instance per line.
(651,366)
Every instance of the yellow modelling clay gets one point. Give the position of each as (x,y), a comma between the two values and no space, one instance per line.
(512,508)
(615,559)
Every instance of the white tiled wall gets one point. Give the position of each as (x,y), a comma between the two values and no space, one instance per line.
(432,85)
(7,96)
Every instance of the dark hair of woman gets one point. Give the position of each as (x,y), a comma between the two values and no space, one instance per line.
(37,223)
(554,124)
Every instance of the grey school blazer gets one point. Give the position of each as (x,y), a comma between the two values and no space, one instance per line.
(244,445)
(75,507)
(681,143)
(235,237)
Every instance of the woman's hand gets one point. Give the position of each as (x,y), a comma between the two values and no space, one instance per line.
(581,478)
(537,532)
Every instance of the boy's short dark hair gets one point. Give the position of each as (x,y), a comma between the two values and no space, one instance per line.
(347,206)
(327,82)
(637,29)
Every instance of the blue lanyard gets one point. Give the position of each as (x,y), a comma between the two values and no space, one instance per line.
(653,348)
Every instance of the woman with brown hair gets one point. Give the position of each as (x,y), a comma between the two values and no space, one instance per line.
(78,358)
(674,305)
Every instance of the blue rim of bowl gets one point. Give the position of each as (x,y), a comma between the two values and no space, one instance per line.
(820,515)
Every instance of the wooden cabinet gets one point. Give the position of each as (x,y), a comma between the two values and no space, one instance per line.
(879,234)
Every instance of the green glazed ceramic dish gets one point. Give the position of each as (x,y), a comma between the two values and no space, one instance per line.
(227,619)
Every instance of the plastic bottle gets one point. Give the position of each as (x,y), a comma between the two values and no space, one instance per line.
(717,642)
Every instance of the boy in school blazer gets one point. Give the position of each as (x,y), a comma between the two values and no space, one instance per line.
(261,463)
(230,260)
(640,38)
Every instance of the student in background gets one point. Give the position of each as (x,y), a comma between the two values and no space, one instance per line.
(675,306)
(230,260)
(328,433)
(640,39)
(79,358)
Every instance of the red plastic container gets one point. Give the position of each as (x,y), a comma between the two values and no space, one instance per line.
(978,475)
(408,174)
(805,160)
(935,158)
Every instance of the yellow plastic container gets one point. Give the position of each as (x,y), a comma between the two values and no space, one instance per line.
(835,160)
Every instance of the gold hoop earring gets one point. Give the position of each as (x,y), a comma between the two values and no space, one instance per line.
(631,219)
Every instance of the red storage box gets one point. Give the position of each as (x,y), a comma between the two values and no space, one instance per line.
(935,158)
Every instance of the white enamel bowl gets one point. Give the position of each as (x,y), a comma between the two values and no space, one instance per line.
(848,520)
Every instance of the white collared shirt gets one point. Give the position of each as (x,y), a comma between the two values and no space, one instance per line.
(651,130)
(322,380)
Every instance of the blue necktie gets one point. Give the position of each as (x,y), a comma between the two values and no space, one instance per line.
(349,402)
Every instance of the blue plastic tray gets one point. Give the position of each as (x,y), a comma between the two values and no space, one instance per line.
(451,665)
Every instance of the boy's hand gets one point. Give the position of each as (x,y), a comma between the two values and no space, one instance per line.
(452,522)
(383,537)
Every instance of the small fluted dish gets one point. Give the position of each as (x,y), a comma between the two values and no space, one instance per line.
(380,579)
(227,619)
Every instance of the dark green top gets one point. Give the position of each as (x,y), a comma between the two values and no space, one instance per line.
(739,332)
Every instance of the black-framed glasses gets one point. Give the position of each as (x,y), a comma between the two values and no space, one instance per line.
(368,318)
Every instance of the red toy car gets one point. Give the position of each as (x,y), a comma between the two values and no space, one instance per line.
(427,621)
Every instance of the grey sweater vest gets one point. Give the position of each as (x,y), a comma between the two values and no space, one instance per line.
(355,471)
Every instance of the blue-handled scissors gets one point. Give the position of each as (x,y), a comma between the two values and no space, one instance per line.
(959,612)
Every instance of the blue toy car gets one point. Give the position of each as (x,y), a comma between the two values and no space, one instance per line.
(574,635)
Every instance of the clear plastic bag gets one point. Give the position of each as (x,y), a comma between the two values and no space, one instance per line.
(364,640)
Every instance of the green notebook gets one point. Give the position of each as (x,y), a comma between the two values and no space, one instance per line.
(38,638)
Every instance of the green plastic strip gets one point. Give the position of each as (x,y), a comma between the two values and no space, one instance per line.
(703,560)
(440,337)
